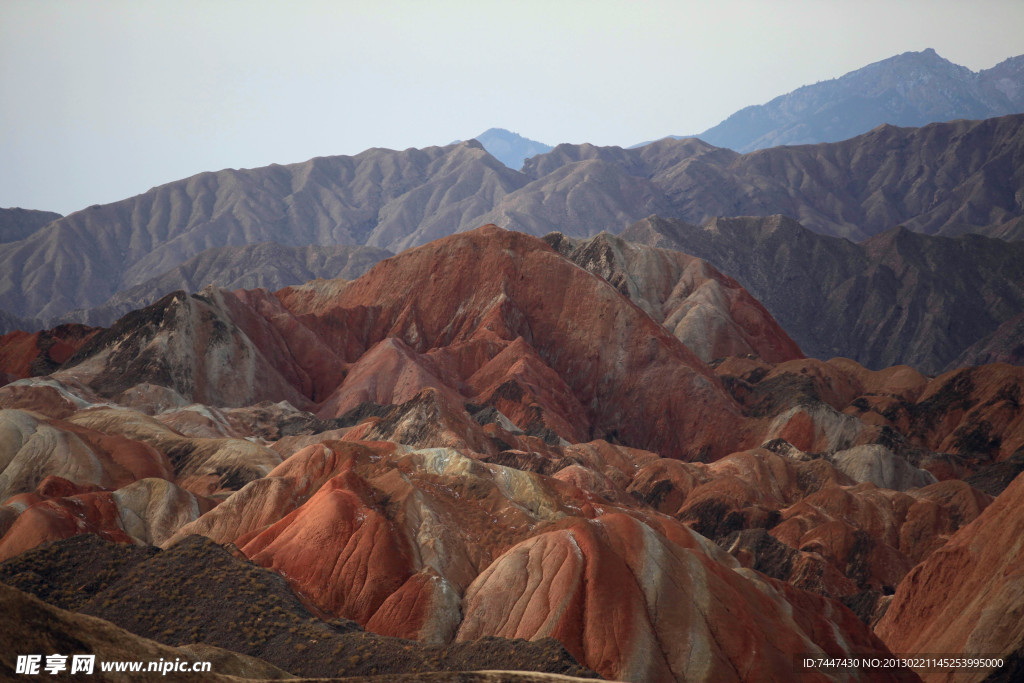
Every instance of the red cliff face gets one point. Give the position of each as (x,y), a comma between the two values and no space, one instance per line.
(967,596)
(666,618)
(436,544)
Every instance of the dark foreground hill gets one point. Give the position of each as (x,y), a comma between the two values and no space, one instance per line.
(197,592)
(30,626)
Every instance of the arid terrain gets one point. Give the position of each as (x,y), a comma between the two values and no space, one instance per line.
(670,413)
(496,436)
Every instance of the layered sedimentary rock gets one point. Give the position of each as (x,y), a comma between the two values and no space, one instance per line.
(493,287)
(706,310)
(551,583)
(511,331)
(425,522)
(24,354)
(199,596)
(33,448)
(973,412)
(191,344)
(148,511)
(205,465)
(483,412)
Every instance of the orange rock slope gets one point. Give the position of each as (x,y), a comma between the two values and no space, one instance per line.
(435,544)
(968,596)
(38,353)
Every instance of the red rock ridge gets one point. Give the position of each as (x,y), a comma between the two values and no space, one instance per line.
(494,285)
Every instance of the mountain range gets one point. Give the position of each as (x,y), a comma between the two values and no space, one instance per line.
(17,224)
(909,90)
(701,415)
(941,179)
(898,298)
(267,264)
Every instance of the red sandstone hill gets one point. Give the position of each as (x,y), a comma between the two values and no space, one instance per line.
(498,319)
(461,304)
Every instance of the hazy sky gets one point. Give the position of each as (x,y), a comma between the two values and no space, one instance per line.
(101,101)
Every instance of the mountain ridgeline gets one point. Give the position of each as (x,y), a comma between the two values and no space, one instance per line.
(268,265)
(947,179)
(510,148)
(898,298)
(17,224)
(911,89)
(716,414)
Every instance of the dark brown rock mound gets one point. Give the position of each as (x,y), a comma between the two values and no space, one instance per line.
(32,626)
(198,592)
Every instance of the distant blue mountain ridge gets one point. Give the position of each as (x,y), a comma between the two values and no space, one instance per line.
(510,148)
(909,90)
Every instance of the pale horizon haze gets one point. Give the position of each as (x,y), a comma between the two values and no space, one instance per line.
(102,101)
